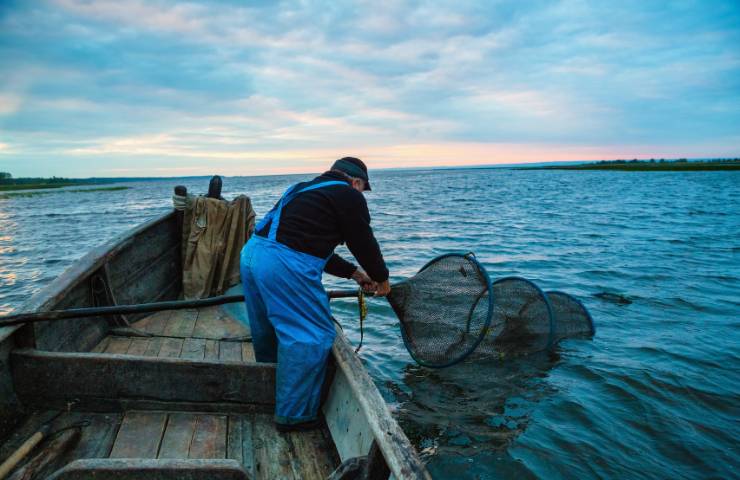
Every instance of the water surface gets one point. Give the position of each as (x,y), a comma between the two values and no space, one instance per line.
(655,394)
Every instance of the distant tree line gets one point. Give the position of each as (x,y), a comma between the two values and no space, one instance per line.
(7,179)
(677,160)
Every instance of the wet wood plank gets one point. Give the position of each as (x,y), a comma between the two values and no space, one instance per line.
(155,345)
(211,350)
(193,348)
(139,346)
(100,347)
(312,455)
(140,435)
(247,352)
(210,324)
(118,345)
(230,351)
(272,456)
(181,323)
(171,347)
(209,439)
(52,378)
(98,437)
(154,323)
(178,436)
(247,444)
(234,443)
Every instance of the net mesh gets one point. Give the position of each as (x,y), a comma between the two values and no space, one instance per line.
(571,317)
(444,309)
(521,322)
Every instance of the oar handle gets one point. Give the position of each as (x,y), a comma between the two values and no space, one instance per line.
(52,315)
(347,293)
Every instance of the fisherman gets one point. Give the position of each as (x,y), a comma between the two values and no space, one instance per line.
(281,268)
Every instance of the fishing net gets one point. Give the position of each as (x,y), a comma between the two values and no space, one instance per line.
(522,320)
(571,317)
(444,310)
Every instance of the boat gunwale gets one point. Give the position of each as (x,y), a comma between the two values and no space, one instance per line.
(80,269)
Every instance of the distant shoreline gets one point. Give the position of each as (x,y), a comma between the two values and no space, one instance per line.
(646,166)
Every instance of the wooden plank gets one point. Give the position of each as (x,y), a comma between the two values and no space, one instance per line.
(100,347)
(154,469)
(211,350)
(248,352)
(209,439)
(118,345)
(272,456)
(371,409)
(181,323)
(210,324)
(178,436)
(171,347)
(154,323)
(98,437)
(312,456)
(155,345)
(138,346)
(42,377)
(234,443)
(248,444)
(193,348)
(140,435)
(230,351)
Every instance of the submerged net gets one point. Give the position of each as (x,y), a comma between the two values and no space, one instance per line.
(571,317)
(444,310)
(522,320)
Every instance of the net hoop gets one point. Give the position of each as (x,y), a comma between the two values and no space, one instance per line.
(551,336)
(580,304)
(469,256)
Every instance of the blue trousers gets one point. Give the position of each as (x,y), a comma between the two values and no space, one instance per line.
(290,321)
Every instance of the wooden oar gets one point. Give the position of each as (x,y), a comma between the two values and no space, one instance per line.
(55,315)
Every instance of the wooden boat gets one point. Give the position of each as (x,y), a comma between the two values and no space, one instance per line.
(177,394)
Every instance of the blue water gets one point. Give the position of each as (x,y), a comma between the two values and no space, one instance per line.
(655,394)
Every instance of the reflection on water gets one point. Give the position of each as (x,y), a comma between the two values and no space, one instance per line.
(493,402)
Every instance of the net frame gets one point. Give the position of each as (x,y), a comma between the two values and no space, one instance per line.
(551,314)
(573,299)
(469,256)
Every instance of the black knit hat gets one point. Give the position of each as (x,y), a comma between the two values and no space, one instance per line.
(354,167)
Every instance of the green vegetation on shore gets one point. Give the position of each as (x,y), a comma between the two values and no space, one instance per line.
(662,165)
(4,196)
(7,182)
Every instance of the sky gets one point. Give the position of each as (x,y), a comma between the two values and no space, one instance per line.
(160,88)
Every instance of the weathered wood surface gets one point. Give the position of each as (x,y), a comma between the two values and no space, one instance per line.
(154,469)
(209,438)
(140,435)
(399,454)
(43,376)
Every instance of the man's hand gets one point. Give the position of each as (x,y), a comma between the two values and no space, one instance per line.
(383,289)
(363,280)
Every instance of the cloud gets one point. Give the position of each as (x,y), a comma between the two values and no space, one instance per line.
(108,84)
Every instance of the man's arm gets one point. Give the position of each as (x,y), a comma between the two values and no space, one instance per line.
(355,224)
(339,267)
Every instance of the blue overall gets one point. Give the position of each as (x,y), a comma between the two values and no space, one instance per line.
(289,315)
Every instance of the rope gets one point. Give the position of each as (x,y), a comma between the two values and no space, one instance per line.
(362,306)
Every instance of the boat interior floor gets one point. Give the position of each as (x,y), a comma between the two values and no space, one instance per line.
(249,439)
(200,409)
(205,334)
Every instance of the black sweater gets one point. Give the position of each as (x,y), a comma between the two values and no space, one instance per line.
(315,222)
